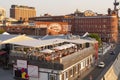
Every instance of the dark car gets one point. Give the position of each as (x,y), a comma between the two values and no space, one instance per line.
(112,52)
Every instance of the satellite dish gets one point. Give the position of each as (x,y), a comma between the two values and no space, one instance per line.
(89,13)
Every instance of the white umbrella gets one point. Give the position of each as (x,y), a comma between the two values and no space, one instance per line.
(47,51)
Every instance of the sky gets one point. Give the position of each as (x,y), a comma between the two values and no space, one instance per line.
(60,7)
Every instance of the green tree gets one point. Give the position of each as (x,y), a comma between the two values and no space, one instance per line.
(2,31)
(97,37)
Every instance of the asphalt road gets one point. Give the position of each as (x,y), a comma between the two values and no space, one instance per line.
(6,74)
(97,73)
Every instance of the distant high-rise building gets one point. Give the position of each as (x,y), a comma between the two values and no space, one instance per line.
(2,13)
(22,12)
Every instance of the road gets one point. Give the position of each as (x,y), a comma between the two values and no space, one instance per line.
(98,73)
(6,74)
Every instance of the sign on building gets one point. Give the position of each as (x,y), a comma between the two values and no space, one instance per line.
(33,71)
(21,63)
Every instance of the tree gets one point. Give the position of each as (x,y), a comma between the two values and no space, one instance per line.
(97,37)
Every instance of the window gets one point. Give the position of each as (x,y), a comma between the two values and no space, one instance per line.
(88,61)
(62,76)
(84,64)
(52,77)
(104,26)
(66,76)
(74,69)
(104,20)
(87,45)
(13,29)
(79,67)
(70,72)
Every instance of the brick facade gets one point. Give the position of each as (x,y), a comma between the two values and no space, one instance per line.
(104,25)
(39,28)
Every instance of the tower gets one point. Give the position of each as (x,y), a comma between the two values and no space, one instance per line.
(115,7)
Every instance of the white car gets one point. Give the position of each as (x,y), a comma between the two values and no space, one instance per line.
(101,64)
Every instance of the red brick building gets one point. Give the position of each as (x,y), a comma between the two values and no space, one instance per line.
(39,28)
(104,25)
(53,28)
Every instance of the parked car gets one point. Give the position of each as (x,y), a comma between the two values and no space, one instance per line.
(101,65)
(112,52)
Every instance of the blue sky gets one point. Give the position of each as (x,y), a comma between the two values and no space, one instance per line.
(60,7)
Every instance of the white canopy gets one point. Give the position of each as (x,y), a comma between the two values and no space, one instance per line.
(81,41)
(59,48)
(28,43)
(47,51)
(17,39)
(64,46)
(31,42)
(52,41)
(38,43)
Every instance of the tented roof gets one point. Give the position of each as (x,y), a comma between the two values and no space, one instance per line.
(28,43)
(81,41)
(54,36)
(64,46)
(6,37)
(38,43)
(52,41)
(31,42)
(11,38)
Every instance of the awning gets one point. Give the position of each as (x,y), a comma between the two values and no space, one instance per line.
(64,46)
(47,51)
(2,52)
(19,38)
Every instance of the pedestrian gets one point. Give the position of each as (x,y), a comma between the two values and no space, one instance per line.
(90,77)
